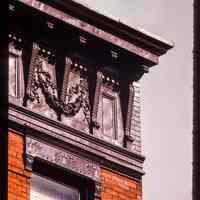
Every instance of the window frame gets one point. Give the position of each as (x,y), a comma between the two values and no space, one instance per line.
(66,177)
(54,181)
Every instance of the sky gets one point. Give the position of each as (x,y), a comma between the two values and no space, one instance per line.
(166,93)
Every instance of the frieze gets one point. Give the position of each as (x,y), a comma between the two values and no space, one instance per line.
(41,79)
(41,92)
(61,158)
(75,91)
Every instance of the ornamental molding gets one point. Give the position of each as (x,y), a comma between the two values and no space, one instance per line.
(98,190)
(92,30)
(40,79)
(15,44)
(60,157)
(130,108)
(76,95)
(13,49)
(111,156)
(99,82)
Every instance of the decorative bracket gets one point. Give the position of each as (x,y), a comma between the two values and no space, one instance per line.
(29,160)
(96,100)
(98,189)
(128,138)
(130,108)
(16,40)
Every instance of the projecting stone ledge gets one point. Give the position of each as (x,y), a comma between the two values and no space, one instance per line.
(138,42)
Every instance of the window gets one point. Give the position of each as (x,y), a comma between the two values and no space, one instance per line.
(43,188)
(50,182)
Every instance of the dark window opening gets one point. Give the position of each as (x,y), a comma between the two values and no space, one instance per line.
(55,183)
(44,188)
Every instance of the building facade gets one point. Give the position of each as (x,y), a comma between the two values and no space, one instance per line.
(196,102)
(74,102)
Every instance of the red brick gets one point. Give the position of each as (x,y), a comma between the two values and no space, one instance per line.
(18,177)
(118,187)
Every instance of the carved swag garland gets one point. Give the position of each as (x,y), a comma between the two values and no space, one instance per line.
(42,79)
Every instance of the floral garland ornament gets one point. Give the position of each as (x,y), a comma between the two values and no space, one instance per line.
(77,96)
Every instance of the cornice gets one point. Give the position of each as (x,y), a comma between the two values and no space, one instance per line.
(114,26)
(135,42)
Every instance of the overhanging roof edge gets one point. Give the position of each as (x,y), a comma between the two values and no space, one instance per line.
(119,26)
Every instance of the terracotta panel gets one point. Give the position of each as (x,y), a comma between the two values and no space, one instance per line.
(77,95)
(109,116)
(13,74)
(44,72)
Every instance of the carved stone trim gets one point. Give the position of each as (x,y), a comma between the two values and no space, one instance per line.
(130,108)
(16,41)
(111,156)
(96,99)
(68,63)
(80,90)
(98,189)
(41,79)
(29,160)
(35,52)
(62,158)
(92,30)
(14,50)
(133,137)
(110,82)
(17,53)
(38,78)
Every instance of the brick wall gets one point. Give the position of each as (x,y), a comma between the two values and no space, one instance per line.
(114,186)
(118,187)
(18,177)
